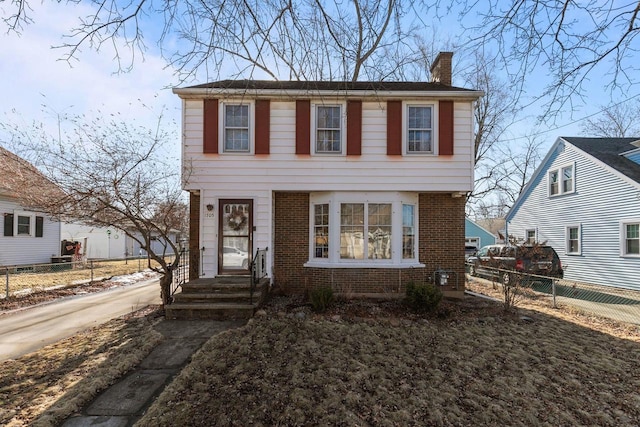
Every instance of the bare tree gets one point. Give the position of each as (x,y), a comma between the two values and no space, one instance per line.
(571,41)
(493,113)
(110,174)
(299,40)
(617,121)
(505,176)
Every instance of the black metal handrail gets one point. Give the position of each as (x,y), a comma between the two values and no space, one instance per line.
(181,272)
(258,270)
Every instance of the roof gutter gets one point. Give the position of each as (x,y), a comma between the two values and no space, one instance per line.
(187,93)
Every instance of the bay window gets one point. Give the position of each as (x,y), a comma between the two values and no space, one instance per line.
(359,229)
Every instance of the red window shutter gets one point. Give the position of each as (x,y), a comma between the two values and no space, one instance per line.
(210,132)
(263,125)
(303,126)
(394,128)
(445,128)
(354,128)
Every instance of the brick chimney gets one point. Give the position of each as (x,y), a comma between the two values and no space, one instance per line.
(441,68)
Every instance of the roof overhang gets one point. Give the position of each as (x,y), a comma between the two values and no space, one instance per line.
(201,93)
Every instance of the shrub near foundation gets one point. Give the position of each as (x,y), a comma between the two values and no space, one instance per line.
(423,297)
(321,299)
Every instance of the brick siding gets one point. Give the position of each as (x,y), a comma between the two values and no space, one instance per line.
(441,246)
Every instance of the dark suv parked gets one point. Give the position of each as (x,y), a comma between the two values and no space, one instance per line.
(501,261)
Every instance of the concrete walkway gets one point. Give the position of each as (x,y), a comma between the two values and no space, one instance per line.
(27,330)
(126,401)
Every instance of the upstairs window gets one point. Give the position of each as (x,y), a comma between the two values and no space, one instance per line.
(236,128)
(419,129)
(567,179)
(328,129)
(562,180)
(554,187)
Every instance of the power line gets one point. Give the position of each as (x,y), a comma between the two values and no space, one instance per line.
(573,122)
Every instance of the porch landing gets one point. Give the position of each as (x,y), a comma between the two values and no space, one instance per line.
(218,298)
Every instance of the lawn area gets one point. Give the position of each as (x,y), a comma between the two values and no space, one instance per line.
(470,365)
(45,276)
(45,387)
(359,364)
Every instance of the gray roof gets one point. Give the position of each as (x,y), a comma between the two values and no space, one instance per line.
(328,85)
(608,150)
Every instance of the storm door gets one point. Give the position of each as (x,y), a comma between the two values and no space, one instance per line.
(235,236)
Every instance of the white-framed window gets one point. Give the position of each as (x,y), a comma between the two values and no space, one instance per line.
(530,236)
(321,230)
(24,223)
(363,230)
(562,180)
(630,238)
(573,235)
(419,128)
(328,128)
(236,132)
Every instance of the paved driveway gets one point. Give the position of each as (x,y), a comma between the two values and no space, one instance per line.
(28,330)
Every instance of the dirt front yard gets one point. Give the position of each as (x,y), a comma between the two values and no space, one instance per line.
(363,364)
(359,364)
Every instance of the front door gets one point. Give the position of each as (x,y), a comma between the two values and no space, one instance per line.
(235,236)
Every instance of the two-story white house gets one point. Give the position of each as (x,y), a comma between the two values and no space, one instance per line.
(584,200)
(355,185)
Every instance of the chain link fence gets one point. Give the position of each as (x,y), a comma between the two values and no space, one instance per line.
(607,301)
(30,278)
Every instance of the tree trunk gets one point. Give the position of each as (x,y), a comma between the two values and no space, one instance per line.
(165,287)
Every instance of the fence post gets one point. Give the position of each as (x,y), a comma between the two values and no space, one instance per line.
(553,292)
(91,268)
(7,283)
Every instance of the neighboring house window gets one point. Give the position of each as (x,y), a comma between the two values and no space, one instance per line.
(419,129)
(554,187)
(236,129)
(23,224)
(562,181)
(530,236)
(360,229)
(631,238)
(408,231)
(573,240)
(328,129)
(321,230)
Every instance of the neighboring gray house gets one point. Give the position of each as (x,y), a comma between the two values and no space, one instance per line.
(584,200)
(476,235)
(28,236)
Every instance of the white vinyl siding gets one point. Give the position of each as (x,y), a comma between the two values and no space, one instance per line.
(605,200)
(28,249)
(283,170)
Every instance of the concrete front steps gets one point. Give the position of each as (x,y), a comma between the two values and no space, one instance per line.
(219,298)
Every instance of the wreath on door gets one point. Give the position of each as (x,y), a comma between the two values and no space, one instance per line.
(236,220)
